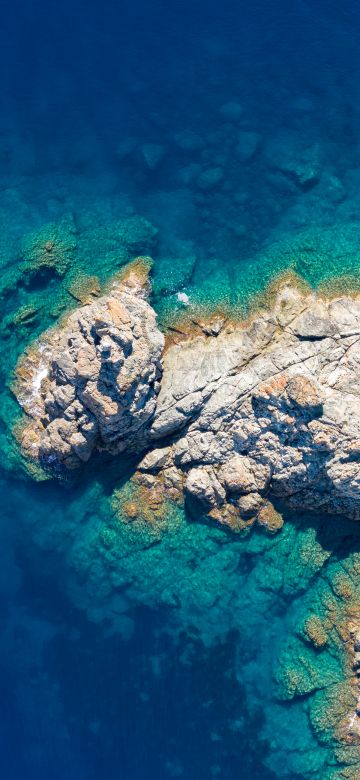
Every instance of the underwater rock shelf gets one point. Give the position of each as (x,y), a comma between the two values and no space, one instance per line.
(228,414)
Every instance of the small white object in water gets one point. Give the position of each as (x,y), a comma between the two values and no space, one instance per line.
(183,298)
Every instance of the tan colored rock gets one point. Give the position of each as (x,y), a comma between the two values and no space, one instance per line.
(250,504)
(304,392)
(93,383)
(242,475)
(269,518)
(229,417)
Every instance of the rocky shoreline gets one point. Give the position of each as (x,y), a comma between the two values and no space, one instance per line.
(92,383)
(229,417)
(225,416)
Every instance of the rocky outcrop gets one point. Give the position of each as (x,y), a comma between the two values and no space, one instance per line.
(248,411)
(93,383)
(269,408)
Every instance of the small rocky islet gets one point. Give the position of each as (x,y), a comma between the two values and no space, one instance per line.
(232,196)
(231,418)
(229,414)
(177,607)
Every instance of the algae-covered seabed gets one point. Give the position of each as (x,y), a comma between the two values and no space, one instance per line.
(162,647)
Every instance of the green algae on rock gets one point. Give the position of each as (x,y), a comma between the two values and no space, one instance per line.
(317,254)
(111,337)
(50,249)
(207,581)
(252,410)
(330,672)
(171,562)
(50,269)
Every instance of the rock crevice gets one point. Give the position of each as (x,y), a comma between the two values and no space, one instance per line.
(93,383)
(247,411)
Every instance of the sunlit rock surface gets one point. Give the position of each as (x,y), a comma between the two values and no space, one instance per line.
(248,411)
(93,383)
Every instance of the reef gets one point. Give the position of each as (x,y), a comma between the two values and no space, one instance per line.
(228,415)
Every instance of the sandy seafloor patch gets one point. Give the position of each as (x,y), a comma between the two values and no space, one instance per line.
(224,141)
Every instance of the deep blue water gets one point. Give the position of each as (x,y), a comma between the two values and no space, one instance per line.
(160,688)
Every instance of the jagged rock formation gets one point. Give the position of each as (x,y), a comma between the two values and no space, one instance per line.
(93,383)
(247,411)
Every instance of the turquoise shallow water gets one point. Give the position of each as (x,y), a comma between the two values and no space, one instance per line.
(223,143)
(187,627)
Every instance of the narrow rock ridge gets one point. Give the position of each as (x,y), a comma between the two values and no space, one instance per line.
(228,419)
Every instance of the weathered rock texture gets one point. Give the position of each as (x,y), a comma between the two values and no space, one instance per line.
(93,383)
(270,407)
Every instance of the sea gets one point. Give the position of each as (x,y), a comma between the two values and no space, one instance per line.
(223,140)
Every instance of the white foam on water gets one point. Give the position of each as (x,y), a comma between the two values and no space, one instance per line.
(38,378)
(183,298)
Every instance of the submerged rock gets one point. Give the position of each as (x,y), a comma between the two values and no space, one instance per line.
(297,158)
(267,408)
(247,145)
(189,141)
(232,111)
(50,249)
(152,154)
(209,178)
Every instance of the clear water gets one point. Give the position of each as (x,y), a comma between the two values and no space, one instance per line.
(224,141)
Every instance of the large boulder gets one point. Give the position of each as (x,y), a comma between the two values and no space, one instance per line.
(203,488)
(93,383)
